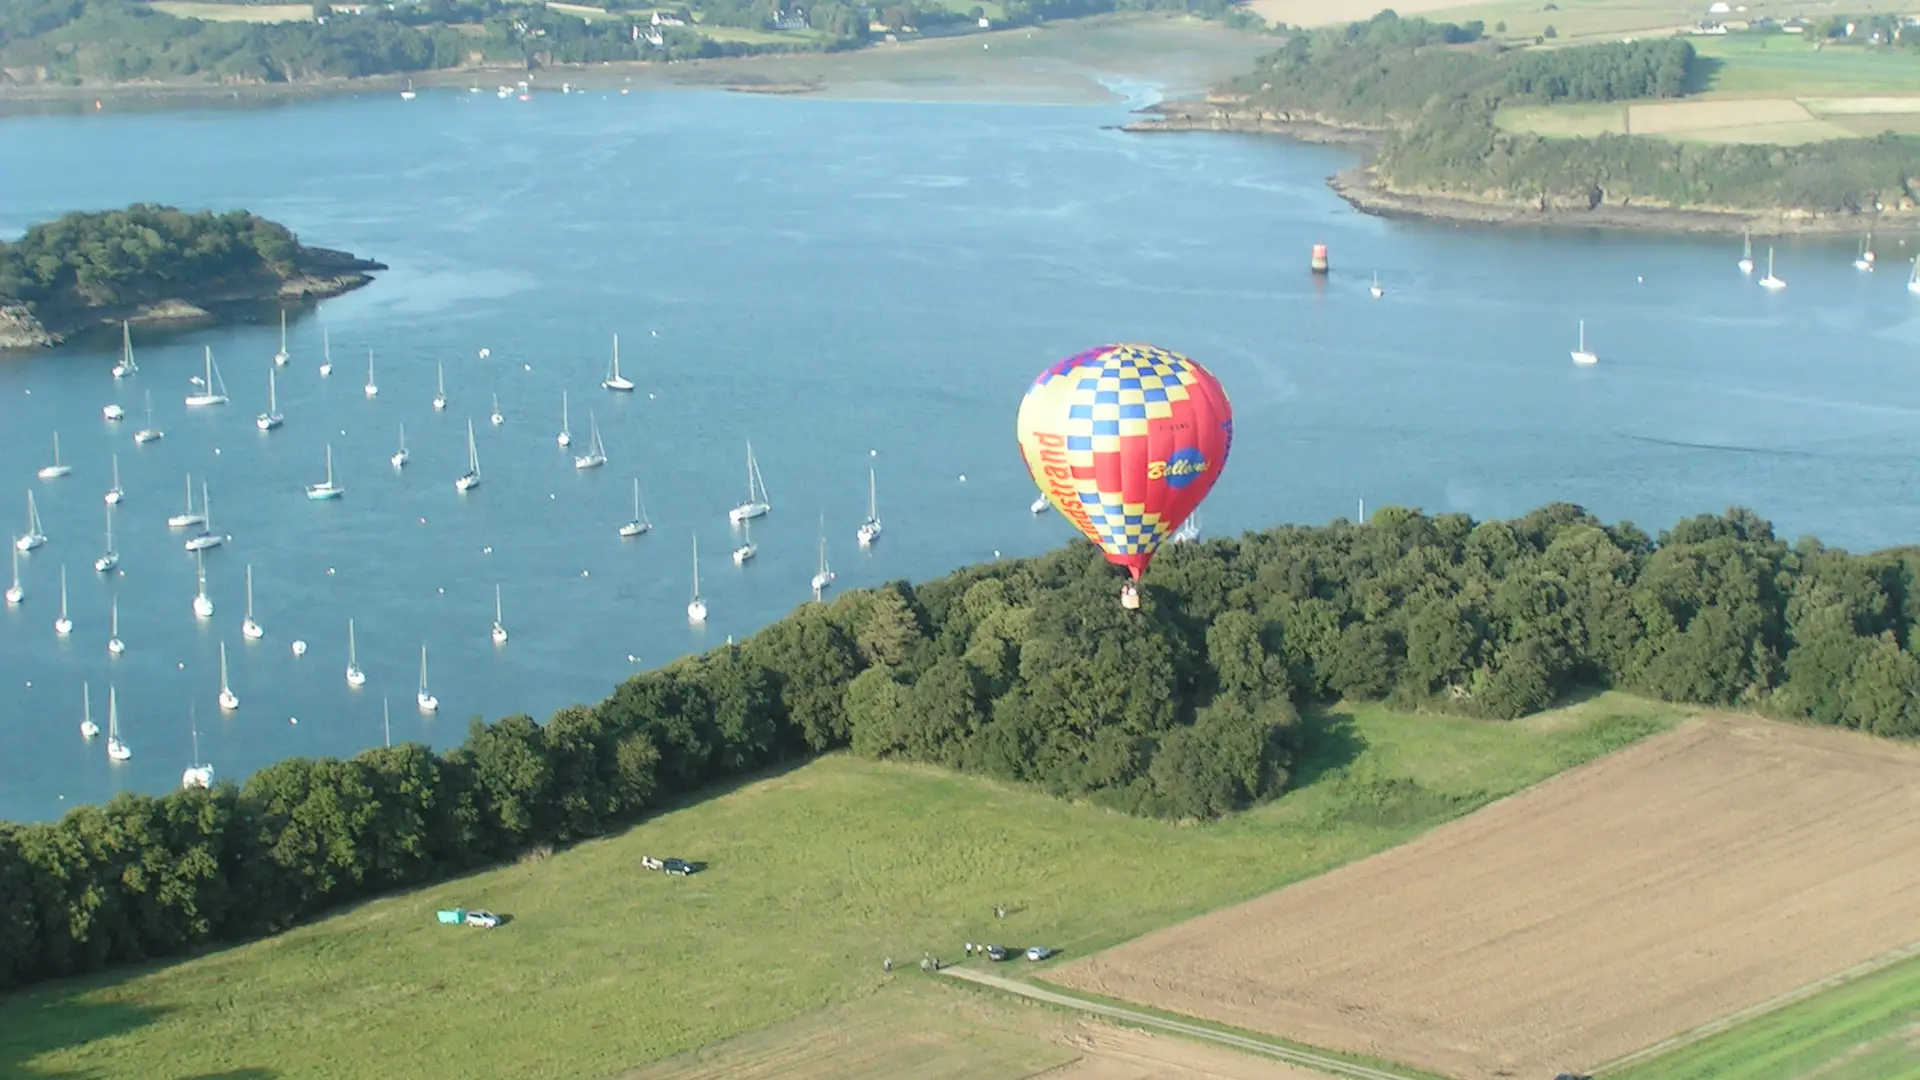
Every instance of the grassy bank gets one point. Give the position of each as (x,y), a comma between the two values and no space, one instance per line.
(814,875)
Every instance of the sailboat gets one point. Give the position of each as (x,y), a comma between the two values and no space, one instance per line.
(824,577)
(270,419)
(407,94)
(439,387)
(207,538)
(88,729)
(747,549)
(1913,280)
(149,433)
(126,366)
(63,625)
(248,628)
(756,503)
(189,518)
(197,774)
(428,703)
(15,593)
(114,494)
(639,525)
(471,478)
(1039,506)
(697,608)
(56,470)
(355,677)
(499,628)
(1189,530)
(213,389)
(326,489)
(229,701)
(109,558)
(1376,290)
(1771,282)
(565,438)
(400,456)
(115,647)
(326,352)
(373,388)
(34,537)
(280,358)
(202,603)
(386,725)
(496,417)
(596,454)
(614,381)
(1867,257)
(1581,354)
(1746,252)
(869,530)
(116,750)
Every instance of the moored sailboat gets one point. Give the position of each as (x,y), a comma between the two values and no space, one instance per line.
(326,489)
(439,386)
(149,433)
(596,454)
(126,366)
(213,389)
(88,729)
(207,538)
(1581,354)
(326,351)
(114,494)
(747,549)
(496,416)
(198,773)
(425,699)
(270,419)
(756,504)
(372,388)
(15,593)
(471,478)
(869,530)
(250,629)
(202,603)
(59,468)
(33,537)
(109,558)
(63,625)
(1770,281)
(696,608)
(1746,252)
(639,525)
(115,647)
(401,457)
(229,701)
(189,517)
(1866,258)
(614,380)
(280,358)
(116,750)
(499,628)
(355,677)
(565,438)
(824,576)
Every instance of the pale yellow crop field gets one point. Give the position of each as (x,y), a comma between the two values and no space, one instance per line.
(260,13)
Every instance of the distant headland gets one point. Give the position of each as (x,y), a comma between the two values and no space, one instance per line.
(157,264)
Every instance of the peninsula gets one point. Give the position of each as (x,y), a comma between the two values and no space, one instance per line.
(155,264)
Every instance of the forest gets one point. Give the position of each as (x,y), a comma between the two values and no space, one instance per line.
(1434,88)
(1025,670)
(143,252)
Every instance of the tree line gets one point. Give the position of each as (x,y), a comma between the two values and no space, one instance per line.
(1025,670)
(120,256)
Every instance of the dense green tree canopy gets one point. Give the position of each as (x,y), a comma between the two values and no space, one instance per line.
(143,251)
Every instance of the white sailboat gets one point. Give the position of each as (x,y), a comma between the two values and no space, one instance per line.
(373,388)
(197,774)
(15,593)
(355,677)
(115,647)
(116,750)
(756,503)
(1746,252)
(114,494)
(1039,506)
(401,457)
(824,576)
(149,433)
(280,358)
(63,625)
(229,701)
(499,628)
(109,558)
(869,530)
(58,469)
(697,608)
(614,380)
(1189,530)
(202,603)
(1866,258)
(207,537)
(34,537)
(471,478)
(126,366)
(596,454)
(439,386)
(326,489)
(407,94)
(1770,281)
(326,352)
(213,389)
(639,526)
(1581,354)
(88,729)
(747,549)
(1913,280)
(565,438)
(1376,290)
(190,517)
(270,419)
(427,702)
(250,629)
(496,417)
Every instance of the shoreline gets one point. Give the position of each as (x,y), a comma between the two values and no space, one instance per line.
(1366,191)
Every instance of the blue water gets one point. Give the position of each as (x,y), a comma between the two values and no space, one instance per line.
(847,284)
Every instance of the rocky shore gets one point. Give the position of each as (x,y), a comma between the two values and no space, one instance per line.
(319,273)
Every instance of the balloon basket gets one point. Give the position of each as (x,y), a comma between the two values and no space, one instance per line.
(1130,597)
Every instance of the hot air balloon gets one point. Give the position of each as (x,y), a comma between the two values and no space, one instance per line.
(1125,440)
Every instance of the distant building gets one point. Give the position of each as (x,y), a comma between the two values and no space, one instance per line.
(667,20)
(795,19)
(986,23)
(1720,7)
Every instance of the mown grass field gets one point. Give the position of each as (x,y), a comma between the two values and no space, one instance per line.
(1863,1030)
(814,875)
(1787,65)
(218,12)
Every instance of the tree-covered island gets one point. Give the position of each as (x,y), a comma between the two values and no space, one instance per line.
(156,263)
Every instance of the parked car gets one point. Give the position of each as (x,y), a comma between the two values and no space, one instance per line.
(679,867)
(996,953)
(1039,952)
(484,919)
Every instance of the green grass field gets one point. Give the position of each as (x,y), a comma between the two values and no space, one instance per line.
(814,875)
(1863,1030)
(218,12)
(1787,65)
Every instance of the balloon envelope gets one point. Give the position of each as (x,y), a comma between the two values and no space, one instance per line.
(1125,440)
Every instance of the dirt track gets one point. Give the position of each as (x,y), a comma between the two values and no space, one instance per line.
(1684,878)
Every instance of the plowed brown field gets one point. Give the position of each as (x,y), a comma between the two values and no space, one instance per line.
(1678,880)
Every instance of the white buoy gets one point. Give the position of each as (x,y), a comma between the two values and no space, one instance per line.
(488,550)
(216,451)
(963,478)
(293,719)
(299,648)
(484,353)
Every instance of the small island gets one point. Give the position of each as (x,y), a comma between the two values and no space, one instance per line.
(157,264)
